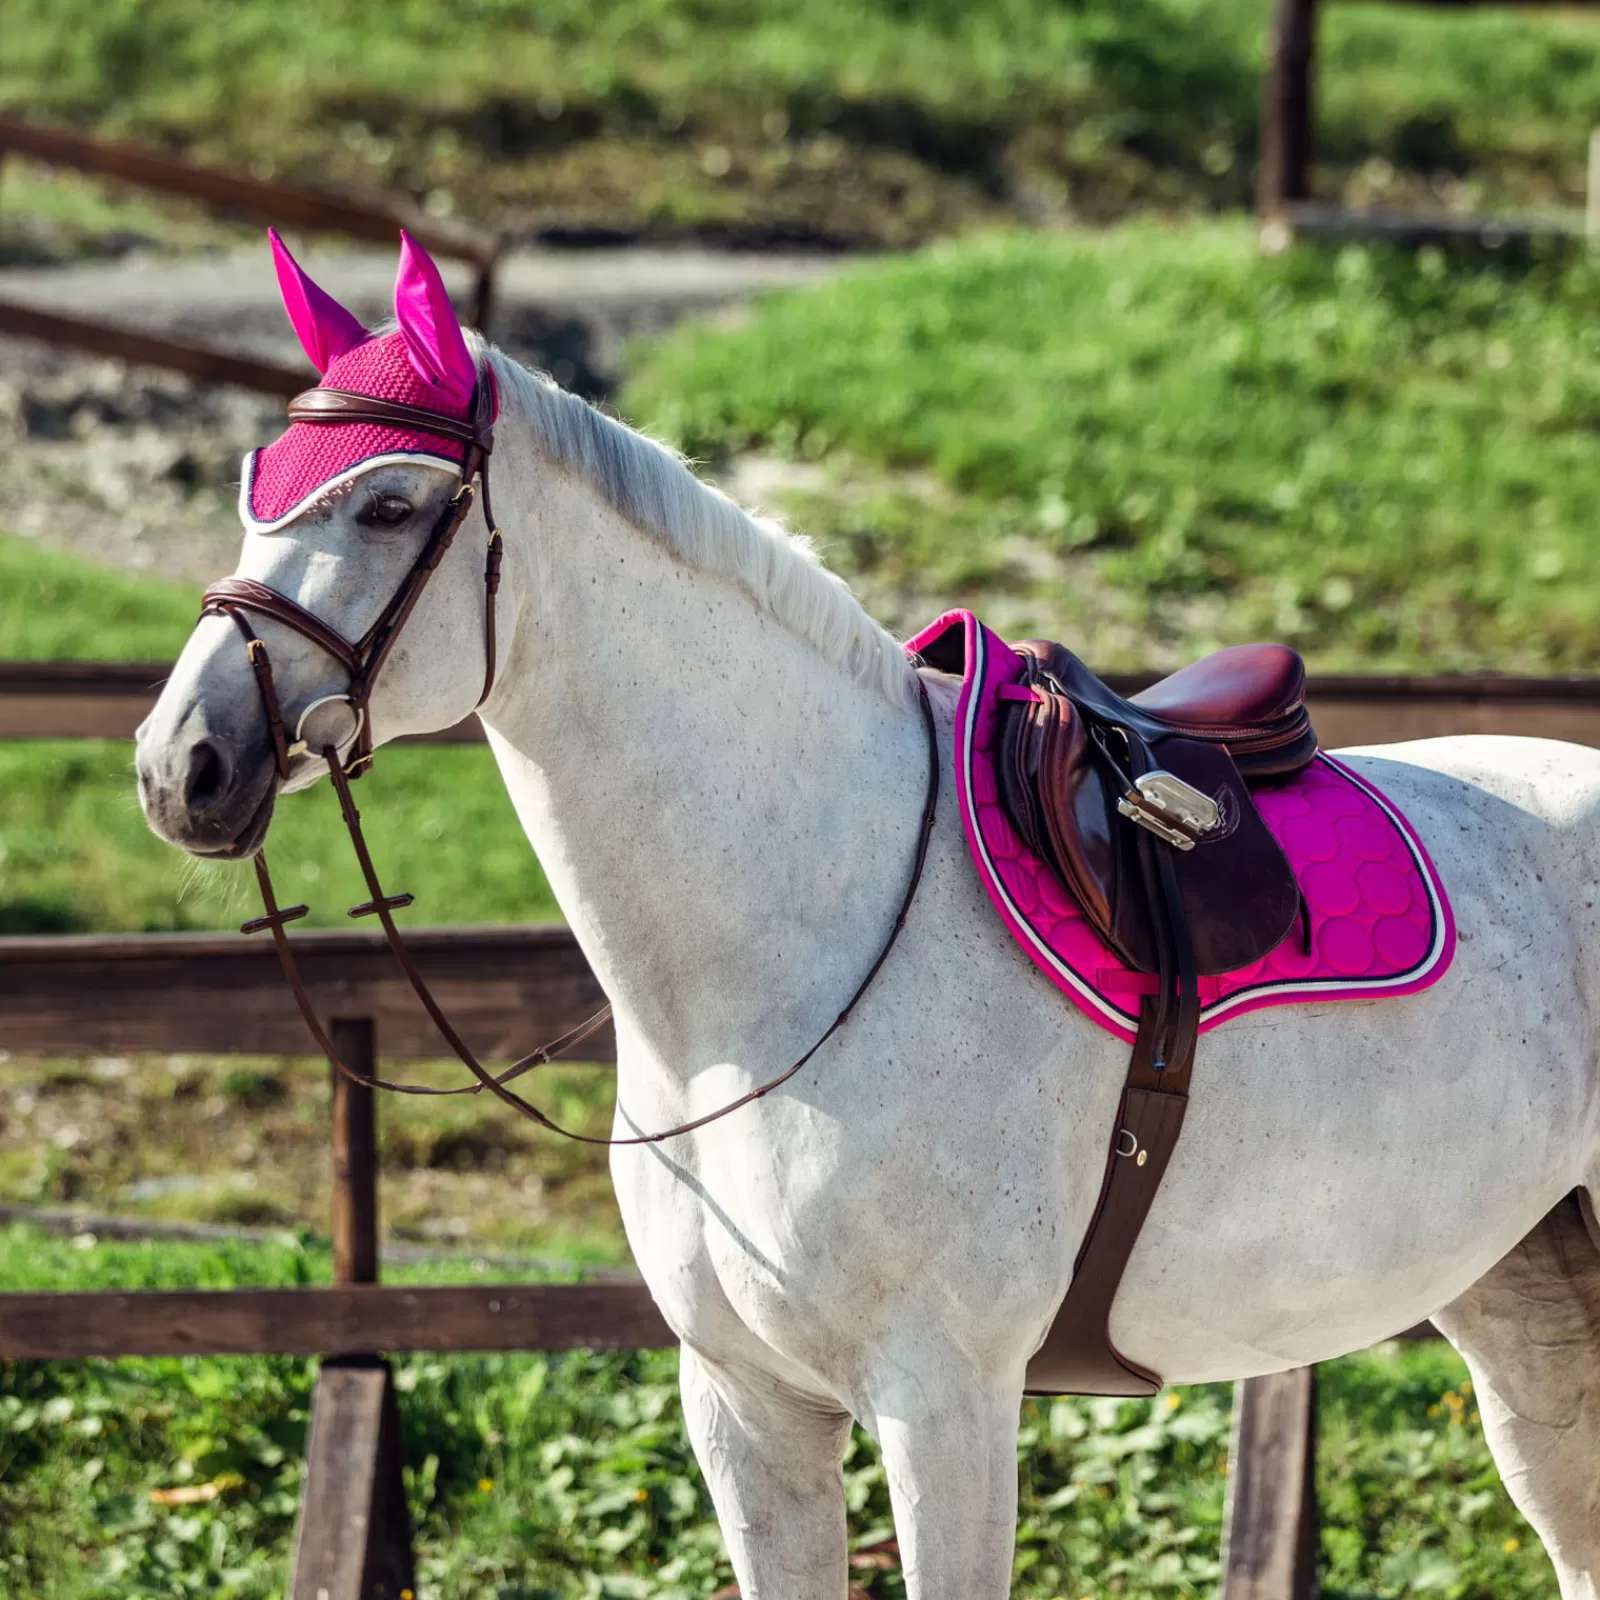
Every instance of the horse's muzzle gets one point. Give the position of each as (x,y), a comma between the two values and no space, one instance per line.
(206,792)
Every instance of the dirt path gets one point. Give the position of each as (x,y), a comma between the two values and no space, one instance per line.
(140,468)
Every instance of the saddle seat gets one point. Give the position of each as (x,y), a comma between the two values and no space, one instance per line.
(1071,757)
(1249,698)
(1243,695)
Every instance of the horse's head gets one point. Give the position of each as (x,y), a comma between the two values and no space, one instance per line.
(347,516)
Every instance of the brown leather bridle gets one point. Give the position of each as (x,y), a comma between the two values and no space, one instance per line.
(363,660)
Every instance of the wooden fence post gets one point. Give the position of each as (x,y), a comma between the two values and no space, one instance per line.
(483,297)
(1591,211)
(1269,1538)
(1286,101)
(355,1155)
(353,1537)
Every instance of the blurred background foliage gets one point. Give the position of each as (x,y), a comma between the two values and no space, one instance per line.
(856,120)
(1155,440)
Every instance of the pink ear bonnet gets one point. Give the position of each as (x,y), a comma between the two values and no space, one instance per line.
(425,363)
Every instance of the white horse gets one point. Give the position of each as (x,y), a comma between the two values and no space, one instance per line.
(719,759)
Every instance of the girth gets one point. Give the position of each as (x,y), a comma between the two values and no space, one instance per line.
(364,658)
(1151,828)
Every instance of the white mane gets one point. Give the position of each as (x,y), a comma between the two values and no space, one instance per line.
(654,489)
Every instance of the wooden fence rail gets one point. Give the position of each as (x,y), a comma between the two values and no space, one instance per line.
(242,194)
(506,988)
(345,1319)
(91,700)
(233,194)
(193,360)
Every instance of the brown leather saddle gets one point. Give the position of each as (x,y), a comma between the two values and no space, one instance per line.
(1143,808)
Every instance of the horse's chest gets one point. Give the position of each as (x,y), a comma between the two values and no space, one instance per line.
(818,1248)
(746,1242)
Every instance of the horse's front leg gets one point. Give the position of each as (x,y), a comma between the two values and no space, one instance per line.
(773,1460)
(949,1441)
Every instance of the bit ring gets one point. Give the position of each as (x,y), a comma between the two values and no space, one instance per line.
(299,747)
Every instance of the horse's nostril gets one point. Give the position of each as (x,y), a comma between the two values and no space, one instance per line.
(208,777)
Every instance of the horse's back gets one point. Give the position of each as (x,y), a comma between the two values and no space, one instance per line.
(1511,826)
(1547,779)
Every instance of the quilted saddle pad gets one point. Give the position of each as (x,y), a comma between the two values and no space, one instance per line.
(1380,920)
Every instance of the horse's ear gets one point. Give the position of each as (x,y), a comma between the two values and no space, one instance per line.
(434,341)
(326,329)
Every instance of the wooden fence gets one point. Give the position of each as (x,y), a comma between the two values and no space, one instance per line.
(219,994)
(95,700)
(222,993)
(1284,200)
(231,194)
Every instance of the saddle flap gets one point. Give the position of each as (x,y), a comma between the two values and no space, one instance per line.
(1056,797)
(1238,889)
(1061,777)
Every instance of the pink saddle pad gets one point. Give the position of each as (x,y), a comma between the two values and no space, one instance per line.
(1380,920)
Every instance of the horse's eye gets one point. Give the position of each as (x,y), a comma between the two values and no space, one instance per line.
(386,510)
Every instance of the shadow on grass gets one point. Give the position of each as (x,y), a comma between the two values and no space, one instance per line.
(22,917)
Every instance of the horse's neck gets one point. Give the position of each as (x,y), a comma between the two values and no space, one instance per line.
(726,819)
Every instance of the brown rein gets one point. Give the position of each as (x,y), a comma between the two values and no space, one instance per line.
(383,906)
(235,597)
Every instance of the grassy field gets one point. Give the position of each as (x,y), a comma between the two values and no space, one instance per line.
(847,119)
(533,1477)
(1151,440)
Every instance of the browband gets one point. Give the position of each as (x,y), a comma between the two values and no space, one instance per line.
(346,406)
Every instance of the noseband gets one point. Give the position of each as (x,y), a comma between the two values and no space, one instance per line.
(363,659)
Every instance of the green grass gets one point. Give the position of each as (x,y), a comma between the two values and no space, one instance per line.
(56,608)
(534,1475)
(74,849)
(244,1140)
(1155,439)
(78,856)
(861,118)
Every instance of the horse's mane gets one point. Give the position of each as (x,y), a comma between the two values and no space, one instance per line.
(654,489)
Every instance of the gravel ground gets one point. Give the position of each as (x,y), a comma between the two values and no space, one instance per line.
(139,468)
